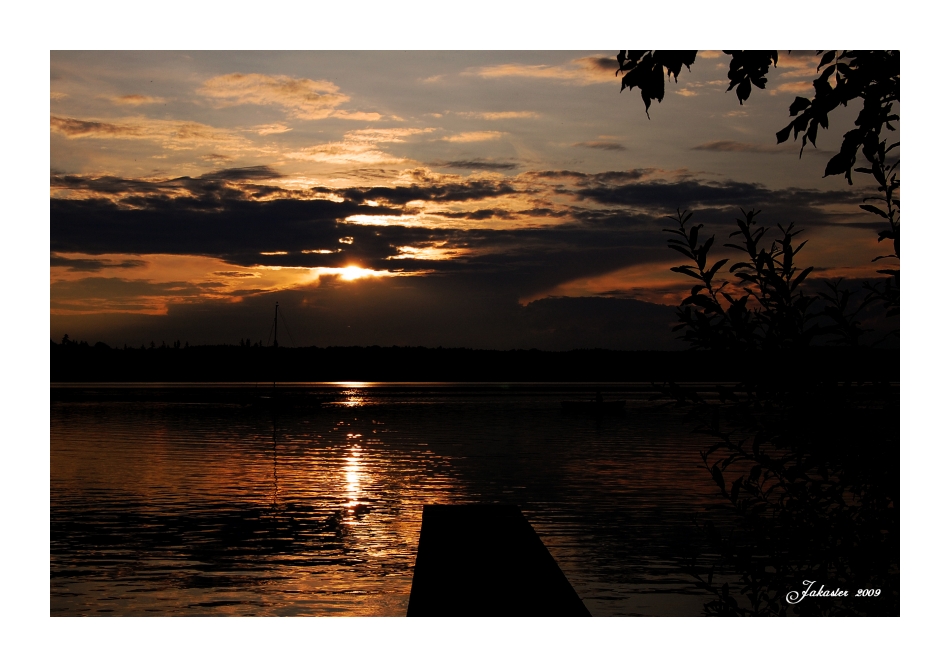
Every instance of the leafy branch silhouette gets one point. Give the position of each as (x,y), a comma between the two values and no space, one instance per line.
(762,306)
(870,76)
(809,466)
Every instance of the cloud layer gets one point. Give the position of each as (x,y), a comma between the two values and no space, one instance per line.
(487,234)
(301,98)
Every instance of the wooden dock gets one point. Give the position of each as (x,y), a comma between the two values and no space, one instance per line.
(486,560)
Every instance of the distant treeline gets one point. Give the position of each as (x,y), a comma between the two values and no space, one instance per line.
(80,362)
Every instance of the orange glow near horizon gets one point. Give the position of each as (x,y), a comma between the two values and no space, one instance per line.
(648,282)
(149,284)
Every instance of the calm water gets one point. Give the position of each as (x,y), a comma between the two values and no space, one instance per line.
(168,503)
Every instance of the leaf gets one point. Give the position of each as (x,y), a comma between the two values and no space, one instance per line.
(875,210)
(838,164)
(694,235)
(782,135)
(688,271)
(799,105)
(827,58)
(743,91)
(801,277)
(681,249)
(715,267)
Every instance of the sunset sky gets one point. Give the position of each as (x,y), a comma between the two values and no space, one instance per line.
(483,199)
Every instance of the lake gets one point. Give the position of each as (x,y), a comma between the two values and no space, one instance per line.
(184,500)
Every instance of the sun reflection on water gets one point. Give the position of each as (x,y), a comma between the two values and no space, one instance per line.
(354,473)
(353,398)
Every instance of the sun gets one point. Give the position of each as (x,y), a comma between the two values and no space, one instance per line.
(354,272)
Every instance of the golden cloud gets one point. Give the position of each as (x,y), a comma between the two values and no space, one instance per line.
(432,252)
(801,64)
(650,282)
(471,137)
(171,134)
(496,115)
(796,87)
(302,98)
(271,128)
(137,100)
(581,71)
(359,146)
(356,115)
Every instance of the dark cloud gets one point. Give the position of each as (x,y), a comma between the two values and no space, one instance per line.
(661,194)
(221,227)
(723,199)
(226,183)
(72,127)
(740,147)
(243,174)
(111,184)
(481,214)
(562,173)
(629,176)
(118,288)
(234,274)
(543,213)
(603,63)
(478,164)
(601,145)
(93,265)
(433,191)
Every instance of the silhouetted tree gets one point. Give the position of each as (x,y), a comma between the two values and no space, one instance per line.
(810,467)
(759,304)
(871,77)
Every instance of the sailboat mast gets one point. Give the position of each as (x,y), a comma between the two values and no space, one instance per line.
(276,306)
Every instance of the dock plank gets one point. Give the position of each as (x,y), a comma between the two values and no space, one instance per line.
(486,560)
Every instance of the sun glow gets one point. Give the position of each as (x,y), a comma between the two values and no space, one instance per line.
(349,273)
(354,272)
